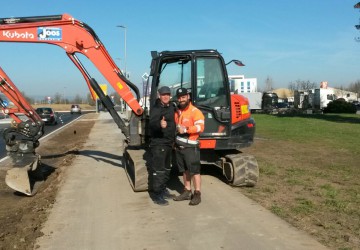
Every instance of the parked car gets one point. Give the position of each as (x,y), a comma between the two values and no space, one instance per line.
(283,105)
(2,115)
(75,108)
(356,104)
(48,115)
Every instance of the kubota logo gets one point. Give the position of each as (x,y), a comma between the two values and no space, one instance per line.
(49,33)
(15,34)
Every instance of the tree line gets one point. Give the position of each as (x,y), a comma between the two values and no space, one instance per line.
(61,99)
(306,85)
(78,99)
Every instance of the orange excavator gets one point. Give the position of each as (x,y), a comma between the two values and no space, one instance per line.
(228,123)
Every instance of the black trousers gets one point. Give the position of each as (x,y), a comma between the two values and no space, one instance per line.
(160,167)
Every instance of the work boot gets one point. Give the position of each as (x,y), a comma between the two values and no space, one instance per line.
(196,199)
(186,195)
(158,198)
(166,194)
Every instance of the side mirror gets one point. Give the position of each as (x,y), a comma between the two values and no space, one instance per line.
(237,62)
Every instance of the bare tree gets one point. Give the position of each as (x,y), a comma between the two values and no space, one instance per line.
(77,99)
(89,100)
(57,98)
(302,85)
(355,87)
(268,84)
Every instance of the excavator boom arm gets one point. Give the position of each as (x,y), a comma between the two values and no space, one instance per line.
(74,37)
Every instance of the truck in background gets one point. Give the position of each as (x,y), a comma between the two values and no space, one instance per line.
(262,102)
(259,102)
(320,98)
(255,100)
(317,99)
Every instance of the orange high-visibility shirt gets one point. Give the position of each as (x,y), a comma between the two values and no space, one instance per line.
(193,119)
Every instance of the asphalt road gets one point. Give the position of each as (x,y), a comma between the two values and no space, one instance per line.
(97,209)
(64,118)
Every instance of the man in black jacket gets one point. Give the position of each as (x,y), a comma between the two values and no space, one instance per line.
(162,127)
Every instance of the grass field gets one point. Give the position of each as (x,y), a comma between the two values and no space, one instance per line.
(309,174)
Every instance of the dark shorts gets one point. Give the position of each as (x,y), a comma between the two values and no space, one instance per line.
(188,159)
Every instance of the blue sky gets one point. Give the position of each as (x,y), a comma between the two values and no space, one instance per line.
(281,39)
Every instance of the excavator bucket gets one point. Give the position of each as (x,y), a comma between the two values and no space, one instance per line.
(26,176)
(135,168)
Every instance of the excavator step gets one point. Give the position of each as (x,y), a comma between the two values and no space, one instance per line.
(135,161)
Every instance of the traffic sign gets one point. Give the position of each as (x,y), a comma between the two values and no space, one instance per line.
(104,89)
(5,103)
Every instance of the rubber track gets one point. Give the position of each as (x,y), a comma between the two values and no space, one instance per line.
(246,170)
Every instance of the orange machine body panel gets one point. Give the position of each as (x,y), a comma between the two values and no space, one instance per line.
(240,108)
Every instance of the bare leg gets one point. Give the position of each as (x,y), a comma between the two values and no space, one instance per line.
(187,180)
(197,182)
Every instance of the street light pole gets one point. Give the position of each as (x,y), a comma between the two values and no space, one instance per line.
(124,27)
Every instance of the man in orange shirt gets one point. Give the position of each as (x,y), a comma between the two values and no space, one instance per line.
(190,123)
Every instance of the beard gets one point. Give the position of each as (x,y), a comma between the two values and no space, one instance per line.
(183,105)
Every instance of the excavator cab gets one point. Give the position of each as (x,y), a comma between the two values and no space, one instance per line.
(228,123)
(203,73)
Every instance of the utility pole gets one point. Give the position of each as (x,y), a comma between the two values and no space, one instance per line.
(357,6)
(124,27)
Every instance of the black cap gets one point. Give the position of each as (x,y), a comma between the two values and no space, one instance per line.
(181,92)
(164,90)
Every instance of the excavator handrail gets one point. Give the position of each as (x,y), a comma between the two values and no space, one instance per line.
(74,37)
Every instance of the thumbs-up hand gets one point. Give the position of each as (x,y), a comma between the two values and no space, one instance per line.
(163,123)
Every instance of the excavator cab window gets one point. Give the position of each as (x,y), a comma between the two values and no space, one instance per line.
(175,74)
(211,88)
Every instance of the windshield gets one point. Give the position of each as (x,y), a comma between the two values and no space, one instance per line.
(210,87)
(176,75)
(43,110)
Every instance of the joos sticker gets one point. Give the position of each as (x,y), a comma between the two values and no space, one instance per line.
(49,33)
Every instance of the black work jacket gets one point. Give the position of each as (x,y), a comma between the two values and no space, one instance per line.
(159,135)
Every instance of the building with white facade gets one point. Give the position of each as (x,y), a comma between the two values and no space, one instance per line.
(240,84)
